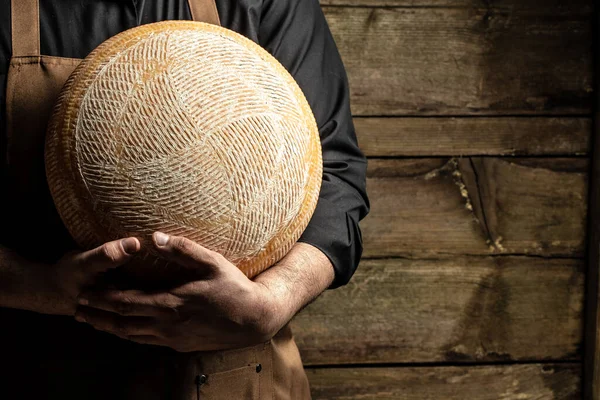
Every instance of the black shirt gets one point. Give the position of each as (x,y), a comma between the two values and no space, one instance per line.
(293,31)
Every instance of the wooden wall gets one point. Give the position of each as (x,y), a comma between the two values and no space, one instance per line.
(475,116)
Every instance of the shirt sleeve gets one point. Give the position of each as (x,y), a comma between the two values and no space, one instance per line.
(297,34)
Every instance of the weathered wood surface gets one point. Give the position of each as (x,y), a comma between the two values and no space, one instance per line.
(423,208)
(591,379)
(457,61)
(535,382)
(414,136)
(592,316)
(555,5)
(463,309)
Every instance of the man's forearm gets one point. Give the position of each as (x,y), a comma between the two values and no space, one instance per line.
(24,285)
(302,275)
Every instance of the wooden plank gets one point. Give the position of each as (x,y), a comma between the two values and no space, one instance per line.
(555,5)
(442,136)
(458,61)
(536,381)
(592,315)
(433,207)
(533,206)
(465,309)
(591,377)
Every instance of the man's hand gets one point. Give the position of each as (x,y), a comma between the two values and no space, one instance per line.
(220,309)
(53,289)
(77,271)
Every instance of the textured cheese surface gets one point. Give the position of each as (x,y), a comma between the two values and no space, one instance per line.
(190,129)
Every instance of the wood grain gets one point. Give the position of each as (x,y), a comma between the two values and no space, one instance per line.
(559,6)
(438,207)
(591,379)
(414,136)
(592,316)
(511,382)
(459,61)
(463,309)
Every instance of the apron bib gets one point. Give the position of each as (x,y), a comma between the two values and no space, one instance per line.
(53,357)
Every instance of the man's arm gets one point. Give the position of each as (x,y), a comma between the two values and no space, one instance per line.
(24,285)
(297,34)
(302,275)
(218,309)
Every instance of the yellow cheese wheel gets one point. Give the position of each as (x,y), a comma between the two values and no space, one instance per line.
(190,129)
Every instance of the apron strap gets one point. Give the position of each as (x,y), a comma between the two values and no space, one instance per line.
(25,20)
(203,11)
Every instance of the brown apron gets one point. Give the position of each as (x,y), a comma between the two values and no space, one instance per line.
(53,357)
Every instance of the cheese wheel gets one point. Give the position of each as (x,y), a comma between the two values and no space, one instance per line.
(190,129)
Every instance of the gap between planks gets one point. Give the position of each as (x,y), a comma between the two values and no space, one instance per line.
(441,364)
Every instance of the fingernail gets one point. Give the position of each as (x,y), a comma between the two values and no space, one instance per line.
(160,238)
(130,245)
(80,318)
(83,302)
